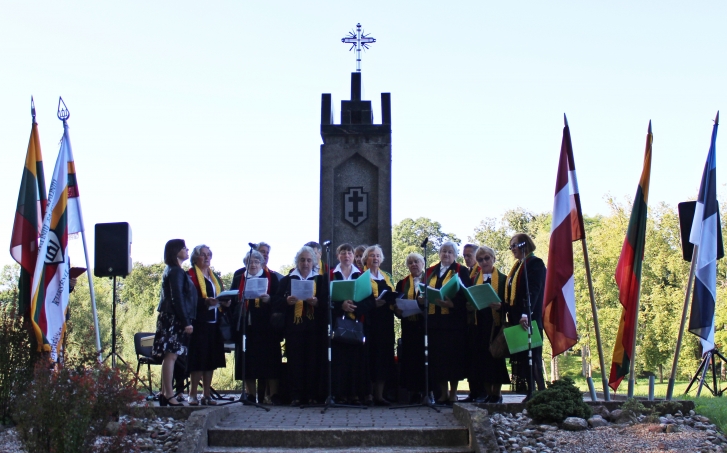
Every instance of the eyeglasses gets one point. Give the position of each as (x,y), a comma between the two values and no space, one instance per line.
(205,255)
(484,258)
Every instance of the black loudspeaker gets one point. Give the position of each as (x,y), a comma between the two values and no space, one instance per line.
(686,217)
(112,254)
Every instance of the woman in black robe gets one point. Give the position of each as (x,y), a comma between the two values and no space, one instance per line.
(349,367)
(380,336)
(303,322)
(490,371)
(517,290)
(263,356)
(411,352)
(447,326)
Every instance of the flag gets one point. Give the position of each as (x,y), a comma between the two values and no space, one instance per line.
(50,280)
(628,274)
(29,216)
(705,233)
(559,317)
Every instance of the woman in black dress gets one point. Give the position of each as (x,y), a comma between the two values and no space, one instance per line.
(380,337)
(304,320)
(349,367)
(490,371)
(177,310)
(448,326)
(263,355)
(207,346)
(411,352)
(516,303)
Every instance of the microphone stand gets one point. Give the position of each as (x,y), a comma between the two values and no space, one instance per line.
(330,402)
(428,400)
(242,323)
(521,246)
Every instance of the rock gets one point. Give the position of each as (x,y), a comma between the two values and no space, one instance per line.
(112,428)
(597,421)
(671,428)
(691,413)
(574,424)
(551,444)
(528,450)
(654,428)
(615,415)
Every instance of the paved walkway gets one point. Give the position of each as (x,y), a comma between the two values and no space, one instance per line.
(380,417)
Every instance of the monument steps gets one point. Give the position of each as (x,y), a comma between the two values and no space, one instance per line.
(339,450)
(367,438)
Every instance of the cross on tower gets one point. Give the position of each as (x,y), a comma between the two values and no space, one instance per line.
(357,41)
(355,198)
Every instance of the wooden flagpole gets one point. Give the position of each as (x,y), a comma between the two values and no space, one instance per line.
(594,309)
(688,293)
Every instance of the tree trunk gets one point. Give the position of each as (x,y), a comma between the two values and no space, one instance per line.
(661,374)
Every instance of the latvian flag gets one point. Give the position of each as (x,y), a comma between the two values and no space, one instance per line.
(29,218)
(559,318)
(704,234)
(50,280)
(628,274)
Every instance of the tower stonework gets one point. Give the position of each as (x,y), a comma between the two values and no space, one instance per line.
(356,174)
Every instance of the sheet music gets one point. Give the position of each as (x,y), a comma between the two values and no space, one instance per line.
(255,287)
(301,289)
(408,307)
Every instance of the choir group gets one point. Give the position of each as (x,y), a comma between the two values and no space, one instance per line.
(368,363)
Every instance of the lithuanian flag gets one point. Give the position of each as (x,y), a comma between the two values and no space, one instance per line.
(29,216)
(628,274)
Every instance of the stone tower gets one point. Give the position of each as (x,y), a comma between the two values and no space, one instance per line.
(356,174)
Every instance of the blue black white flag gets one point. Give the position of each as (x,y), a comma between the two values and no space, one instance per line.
(705,234)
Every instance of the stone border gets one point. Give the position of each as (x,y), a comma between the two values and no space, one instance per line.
(476,417)
(199,420)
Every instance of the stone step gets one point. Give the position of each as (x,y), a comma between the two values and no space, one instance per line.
(357,437)
(378,449)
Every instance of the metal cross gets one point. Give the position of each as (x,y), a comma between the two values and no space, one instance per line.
(357,41)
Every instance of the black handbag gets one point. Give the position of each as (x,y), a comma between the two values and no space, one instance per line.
(223,323)
(347,330)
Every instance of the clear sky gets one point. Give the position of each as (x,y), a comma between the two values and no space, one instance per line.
(201,120)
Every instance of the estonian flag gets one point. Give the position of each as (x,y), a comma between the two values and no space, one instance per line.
(705,234)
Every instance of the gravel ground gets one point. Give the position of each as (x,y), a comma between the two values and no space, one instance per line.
(672,433)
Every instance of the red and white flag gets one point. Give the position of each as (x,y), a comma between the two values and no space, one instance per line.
(559,305)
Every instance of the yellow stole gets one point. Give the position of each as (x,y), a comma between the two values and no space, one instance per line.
(433,282)
(203,285)
(298,316)
(512,278)
(411,294)
(495,282)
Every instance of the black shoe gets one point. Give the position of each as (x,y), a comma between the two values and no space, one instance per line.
(470,399)
(163,401)
(382,402)
(295,403)
(275,400)
(495,399)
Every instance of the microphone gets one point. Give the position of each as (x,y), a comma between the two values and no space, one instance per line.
(252,245)
(424,242)
(326,244)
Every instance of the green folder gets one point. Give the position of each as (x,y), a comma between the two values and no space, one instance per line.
(355,290)
(482,296)
(447,291)
(517,338)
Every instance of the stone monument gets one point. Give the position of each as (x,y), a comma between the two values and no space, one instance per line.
(355,199)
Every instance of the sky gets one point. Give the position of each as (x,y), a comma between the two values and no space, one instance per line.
(201,120)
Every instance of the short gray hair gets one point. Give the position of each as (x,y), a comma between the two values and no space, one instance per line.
(450,244)
(263,244)
(415,256)
(255,255)
(370,249)
(197,251)
(305,249)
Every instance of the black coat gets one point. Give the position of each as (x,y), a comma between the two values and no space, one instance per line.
(178,295)
(535,269)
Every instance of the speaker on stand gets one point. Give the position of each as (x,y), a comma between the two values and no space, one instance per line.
(112,258)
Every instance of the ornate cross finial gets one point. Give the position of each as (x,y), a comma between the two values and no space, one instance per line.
(357,41)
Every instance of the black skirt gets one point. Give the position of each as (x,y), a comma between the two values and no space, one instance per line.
(169,336)
(447,354)
(206,348)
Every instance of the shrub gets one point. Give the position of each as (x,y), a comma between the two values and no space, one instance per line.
(16,358)
(560,400)
(66,407)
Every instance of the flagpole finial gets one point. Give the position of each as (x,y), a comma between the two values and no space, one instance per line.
(32,108)
(649,126)
(63,113)
(565,120)
(716,119)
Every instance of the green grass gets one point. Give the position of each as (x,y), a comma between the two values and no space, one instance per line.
(713,408)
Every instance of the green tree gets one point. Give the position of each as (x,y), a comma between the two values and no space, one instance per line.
(407,237)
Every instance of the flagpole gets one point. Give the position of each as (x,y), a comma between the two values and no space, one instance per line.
(63,115)
(93,298)
(594,309)
(632,371)
(688,293)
